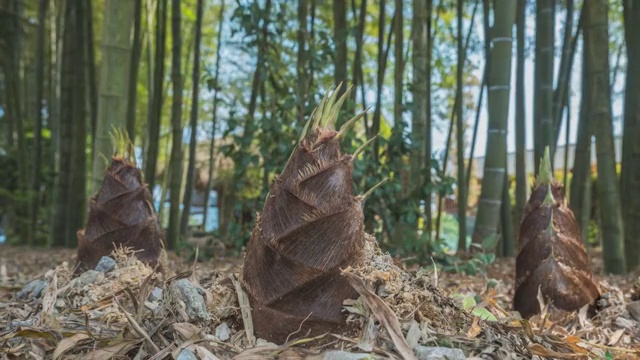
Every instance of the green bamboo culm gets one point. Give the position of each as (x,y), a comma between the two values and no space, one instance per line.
(499,89)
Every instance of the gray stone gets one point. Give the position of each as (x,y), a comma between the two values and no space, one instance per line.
(634,309)
(89,277)
(33,288)
(625,323)
(438,353)
(17,323)
(187,354)
(223,332)
(106,264)
(414,334)
(263,342)
(383,291)
(155,295)
(39,288)
(195,304)
(345,355)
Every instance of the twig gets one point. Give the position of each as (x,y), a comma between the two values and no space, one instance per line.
(176,352)
(137,327)
(299,328)
(230,346)
(305,340)
(376,349)
(161,354)
(134,301)
(160,325)
(143,293)
(245,309)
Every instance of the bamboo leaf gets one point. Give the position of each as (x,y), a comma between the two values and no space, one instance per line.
(68,343)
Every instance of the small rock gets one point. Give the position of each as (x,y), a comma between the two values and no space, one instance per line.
(438,353)
(223,332)
(186,354)
(39,288)
(61,304)
(106,264)
(414,334)
(33,288)
(634,309)
(384,291)
(155,295)
(263,342)
(49,274)
(17,323)
(345,355)
(625,323)
(89,277)
(195,305)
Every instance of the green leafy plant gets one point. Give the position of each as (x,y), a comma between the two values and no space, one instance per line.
(446,258)
(472,304)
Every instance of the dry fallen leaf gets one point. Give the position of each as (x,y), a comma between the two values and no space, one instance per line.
(186,330)
(475,328)
(268,351)
(384,314)
(113,351)
(203,353)
(537,349)
(68,343)
(613,340)
(410,296)
(245,309)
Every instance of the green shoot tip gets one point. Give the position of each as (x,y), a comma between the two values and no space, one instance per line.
(548,199)
(545,174)
(122,144)
(363,146)
(326,114)
(366,195)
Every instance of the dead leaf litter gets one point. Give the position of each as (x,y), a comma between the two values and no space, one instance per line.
(130,311)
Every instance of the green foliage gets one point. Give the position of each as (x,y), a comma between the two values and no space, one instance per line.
(259,143)
(475,265)
(448,242)
(402,214)
(593,233)
(443,251)
(15,198)
(9,178)
(473,304)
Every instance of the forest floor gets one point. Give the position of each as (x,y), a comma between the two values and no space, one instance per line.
(613,334)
